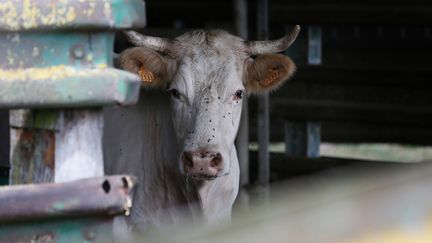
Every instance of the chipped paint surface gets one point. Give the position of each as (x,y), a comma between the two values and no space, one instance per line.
(30,14)
(52,73)
(64,212)
(65,86)
(32,49)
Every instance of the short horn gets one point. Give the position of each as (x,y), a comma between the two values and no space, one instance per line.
(154,43)
(273,46)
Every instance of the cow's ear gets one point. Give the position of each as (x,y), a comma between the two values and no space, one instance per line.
(267,72)
(154,70)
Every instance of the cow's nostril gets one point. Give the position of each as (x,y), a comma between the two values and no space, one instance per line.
(216,161)
(187,159)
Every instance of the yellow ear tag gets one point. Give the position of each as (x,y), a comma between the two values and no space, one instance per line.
(145,75)
(273,74)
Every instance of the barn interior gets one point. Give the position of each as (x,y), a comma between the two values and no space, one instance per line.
(363,79)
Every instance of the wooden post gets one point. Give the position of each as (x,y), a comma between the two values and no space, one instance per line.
(55,146)
(263,105)
(78,147)
(32,146)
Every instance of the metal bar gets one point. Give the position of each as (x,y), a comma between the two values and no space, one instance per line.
(110,195)
(92,87)
(60,15)
(62,230)
(302,139)
(314,45)
(242,141)
(263,105)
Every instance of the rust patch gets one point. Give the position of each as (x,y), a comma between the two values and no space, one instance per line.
(49,154)
(52,73)
(27,143)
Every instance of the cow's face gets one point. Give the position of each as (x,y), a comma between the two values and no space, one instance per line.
(208,74)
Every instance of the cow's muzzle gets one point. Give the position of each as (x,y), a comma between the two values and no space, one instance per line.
(202,165)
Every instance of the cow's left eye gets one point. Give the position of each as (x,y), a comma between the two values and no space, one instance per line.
(174,93)
(238,94)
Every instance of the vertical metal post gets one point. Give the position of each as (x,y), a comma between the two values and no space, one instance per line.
(263,104)
(242,142)
(314,45)
(302,139)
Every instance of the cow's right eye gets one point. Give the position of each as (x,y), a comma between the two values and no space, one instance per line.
(174,93)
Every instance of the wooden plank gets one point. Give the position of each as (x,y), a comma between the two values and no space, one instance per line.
(32,147)
(78,145)
(58,146)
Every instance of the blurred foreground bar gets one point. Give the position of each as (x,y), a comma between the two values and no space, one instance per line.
(358,202)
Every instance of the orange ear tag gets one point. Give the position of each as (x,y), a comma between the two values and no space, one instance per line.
(145,75)
(273,75)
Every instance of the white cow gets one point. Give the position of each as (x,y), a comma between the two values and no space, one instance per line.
(207,74)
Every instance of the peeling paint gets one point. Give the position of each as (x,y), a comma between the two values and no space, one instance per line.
(53,72)
(29,14)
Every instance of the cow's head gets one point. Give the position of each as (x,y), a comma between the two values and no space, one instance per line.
(208,74)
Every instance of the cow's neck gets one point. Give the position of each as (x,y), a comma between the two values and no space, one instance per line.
(217,196)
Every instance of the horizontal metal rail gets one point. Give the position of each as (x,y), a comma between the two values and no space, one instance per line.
(109,195)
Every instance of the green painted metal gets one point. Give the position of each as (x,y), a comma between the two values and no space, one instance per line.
(77,211)
(58,54)
(35,49)
(26,15)
(51,59)
(74,88)
(96,229)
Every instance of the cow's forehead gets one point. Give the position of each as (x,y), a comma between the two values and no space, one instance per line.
(212,42)
(211,59)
